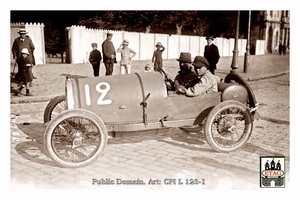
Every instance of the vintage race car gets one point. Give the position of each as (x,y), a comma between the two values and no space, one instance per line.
(78,123)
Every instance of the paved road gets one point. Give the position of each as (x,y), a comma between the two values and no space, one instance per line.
(160,157)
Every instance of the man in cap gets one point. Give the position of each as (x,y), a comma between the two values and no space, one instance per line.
(211,53)
(207,82)
(109,54)
(95,58)
(126,55)
(186,77)
(24,41)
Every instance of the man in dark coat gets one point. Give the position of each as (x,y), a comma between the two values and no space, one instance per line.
(24,41)
(95,58)
(109,54)
(211,53)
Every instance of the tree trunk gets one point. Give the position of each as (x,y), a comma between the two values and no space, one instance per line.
(148,29)
(178,29)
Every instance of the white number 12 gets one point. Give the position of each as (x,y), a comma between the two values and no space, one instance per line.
(102,92)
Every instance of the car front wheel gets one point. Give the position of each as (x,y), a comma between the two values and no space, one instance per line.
(75,138)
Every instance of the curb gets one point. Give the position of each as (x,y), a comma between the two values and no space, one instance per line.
(37,99)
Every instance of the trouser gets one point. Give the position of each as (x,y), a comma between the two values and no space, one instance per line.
(109,68)
(96,70)
(125,69)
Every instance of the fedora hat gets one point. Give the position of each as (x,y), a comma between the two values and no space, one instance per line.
(22,31)
(185,57)
(209,37)
(200,61)
(109,34)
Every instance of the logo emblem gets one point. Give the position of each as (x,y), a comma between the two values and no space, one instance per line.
(272,172)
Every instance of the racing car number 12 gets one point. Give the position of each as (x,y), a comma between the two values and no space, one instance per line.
(103,89)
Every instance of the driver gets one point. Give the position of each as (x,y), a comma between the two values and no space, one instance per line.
(186,77)
(207,82)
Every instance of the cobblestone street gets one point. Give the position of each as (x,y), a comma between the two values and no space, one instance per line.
(158,160)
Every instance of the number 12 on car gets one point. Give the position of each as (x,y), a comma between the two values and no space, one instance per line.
(102,88)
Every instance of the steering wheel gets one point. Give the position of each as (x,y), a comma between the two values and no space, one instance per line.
(169,83)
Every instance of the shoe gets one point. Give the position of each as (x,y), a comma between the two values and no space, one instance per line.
(19,94)
(28,94)
(34,77)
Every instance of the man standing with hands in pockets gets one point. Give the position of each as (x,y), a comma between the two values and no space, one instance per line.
(109,54)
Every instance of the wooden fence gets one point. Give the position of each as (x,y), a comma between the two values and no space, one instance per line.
(36,33)
(79,40)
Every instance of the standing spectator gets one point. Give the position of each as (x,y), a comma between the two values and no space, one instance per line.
(126,55)
(109,54)
(280,48)
(95,58)
(284,48)
(211,53)
(24,41)
(157,57)
(23,75)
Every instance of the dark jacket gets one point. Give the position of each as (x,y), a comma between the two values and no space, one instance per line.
(24,74)
(211,53)
(18,45)
(95,57)
(108,49)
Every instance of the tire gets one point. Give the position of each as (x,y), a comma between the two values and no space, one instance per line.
(228,126)
(75,138)
(54,107)
(235,78)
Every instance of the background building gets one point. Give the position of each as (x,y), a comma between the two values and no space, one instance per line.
(273,26)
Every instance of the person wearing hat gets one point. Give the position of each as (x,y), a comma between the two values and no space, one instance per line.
(23,75)
(211,53)
(95,58)
(186,77)
(126,55)
(157,60)
(24,41)
(207,82)
(109,54)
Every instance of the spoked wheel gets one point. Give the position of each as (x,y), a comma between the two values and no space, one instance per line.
(75,138)
(228,126)
(55,107)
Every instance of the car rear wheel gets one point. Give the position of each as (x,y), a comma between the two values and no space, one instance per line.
(228,126)
(55,107)
(75,138)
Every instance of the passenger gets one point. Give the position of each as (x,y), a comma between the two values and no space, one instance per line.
(186,77)
(207,82)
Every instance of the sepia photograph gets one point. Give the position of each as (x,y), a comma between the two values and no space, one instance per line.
(150,99)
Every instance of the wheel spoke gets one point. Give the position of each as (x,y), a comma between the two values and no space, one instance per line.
(78,130)
(228,127)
